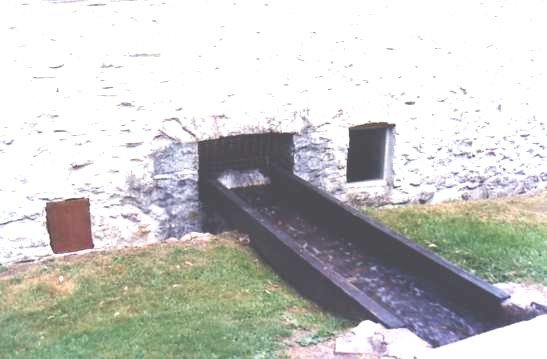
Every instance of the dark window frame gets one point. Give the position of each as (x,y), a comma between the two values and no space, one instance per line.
(368,151)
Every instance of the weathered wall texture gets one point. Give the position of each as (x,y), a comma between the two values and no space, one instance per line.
(107,100)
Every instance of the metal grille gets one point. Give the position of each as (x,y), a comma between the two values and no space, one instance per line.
(245,152)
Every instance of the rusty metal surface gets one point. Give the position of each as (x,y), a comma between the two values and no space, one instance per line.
(69,225)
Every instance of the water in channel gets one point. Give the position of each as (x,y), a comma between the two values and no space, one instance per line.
(416,301)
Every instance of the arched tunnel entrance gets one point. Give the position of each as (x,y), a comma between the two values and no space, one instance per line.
(240,159)
(244,152)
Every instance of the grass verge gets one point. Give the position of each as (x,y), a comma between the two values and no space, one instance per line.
(500,240)
(163,301)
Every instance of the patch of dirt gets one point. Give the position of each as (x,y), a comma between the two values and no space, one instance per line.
(14,269)
(50,278)
(533,291)
(535,206)
(324,350)
(57,286)
(518,209)
(29,268)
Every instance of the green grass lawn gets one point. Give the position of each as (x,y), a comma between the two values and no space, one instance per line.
(499,240)
(164,301)
(220,301)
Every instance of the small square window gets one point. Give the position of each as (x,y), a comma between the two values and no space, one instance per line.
(368,147)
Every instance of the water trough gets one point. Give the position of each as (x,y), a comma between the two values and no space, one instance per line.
(344,260)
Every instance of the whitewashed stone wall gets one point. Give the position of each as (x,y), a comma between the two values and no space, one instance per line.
(107,100)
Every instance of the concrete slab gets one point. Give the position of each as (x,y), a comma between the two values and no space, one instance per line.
(519,340)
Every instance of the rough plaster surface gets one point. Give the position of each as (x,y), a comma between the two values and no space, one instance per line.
(526,301)
(106,100)
(524,339)
(374,340)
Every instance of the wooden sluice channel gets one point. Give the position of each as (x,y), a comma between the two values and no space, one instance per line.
(352,265)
